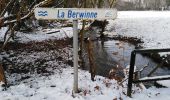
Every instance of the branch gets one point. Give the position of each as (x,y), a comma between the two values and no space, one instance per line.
(41,4)
(6,8)
(10,35)
(112,2)
(93,3)
(59,3)
(32,5)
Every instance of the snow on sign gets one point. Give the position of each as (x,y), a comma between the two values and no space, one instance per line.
(75,13)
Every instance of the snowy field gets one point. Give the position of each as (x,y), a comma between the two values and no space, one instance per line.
(152,27)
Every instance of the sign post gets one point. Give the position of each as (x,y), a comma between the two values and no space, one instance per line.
(75,55)
(74,14)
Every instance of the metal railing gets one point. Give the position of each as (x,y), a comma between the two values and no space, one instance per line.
(132,64)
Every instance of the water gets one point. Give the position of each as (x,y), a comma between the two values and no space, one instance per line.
(121,52)
(110,54)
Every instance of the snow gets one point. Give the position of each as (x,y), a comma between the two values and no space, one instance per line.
(143,14)
(165,83)
(59,87)
(42,35)
(2,32)
(151,26)
(153,94)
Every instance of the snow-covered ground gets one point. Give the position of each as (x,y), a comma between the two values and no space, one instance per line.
(152,27)
(42,34)
(59,87)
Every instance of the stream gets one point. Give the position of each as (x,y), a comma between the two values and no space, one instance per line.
(108,54)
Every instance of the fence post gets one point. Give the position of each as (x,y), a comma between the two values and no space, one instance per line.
(131,71)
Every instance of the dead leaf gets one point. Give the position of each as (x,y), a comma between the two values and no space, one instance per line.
(117,43)
(108,85)
(115,99)
(115,53)
(97,87)
(85,92)
(157,94)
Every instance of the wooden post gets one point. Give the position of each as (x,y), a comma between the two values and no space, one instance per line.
(2,75)
(91,60)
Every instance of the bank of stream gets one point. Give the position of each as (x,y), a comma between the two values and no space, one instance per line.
(112,52)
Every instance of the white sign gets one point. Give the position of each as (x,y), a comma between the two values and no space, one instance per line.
(75,13)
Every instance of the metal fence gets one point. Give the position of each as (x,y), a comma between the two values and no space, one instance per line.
(132,64)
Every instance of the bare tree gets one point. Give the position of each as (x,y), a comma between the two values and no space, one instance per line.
(14,20)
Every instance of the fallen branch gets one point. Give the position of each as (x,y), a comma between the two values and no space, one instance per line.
(53,32)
